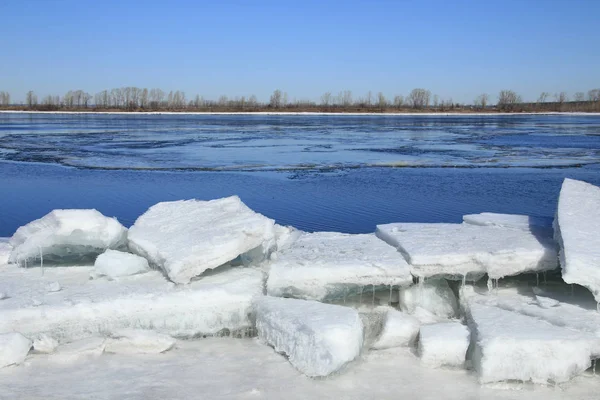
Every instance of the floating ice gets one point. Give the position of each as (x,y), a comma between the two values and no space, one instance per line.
(399,330)
(71,236)
(138,341)
(318,338)
(433,295)
(13,348)
(89,347)
(512,346)
(114,264)
(186,238)
(524,222)
(577,230)
(331,265)
(221,301)
(443,344)
(43,343)
(459,250)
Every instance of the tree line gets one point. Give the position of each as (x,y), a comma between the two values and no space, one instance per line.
(419,99)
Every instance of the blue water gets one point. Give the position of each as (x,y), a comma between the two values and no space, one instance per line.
(316,173)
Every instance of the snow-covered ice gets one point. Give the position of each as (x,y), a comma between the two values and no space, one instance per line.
(577,230)
(146,301)
(433,295)
(138,341)
(524,222)
(459,250)
(43,343)
(186,238)
(13,348)
(114,264)
(444,344)
(73,236)
(332,265)
(317,338)
(5,250)
(92,346)
(399,330)
(512,346)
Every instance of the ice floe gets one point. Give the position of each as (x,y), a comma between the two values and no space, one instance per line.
(461,251)
(333,265)
(13,348)
(66,236)
(444,344)
(524,222)
(317,338)
(186,238)
(114,264)
(399,330)
(433,295)
(577,230)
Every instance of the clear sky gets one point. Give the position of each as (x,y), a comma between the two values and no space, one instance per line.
(454,48)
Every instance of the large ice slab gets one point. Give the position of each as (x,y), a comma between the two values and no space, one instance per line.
(114,264)
(577,230)
(512,346)
(13,348)
(525,222)
(186,238)
(84,307)
(444,344)
(318,338)
(329,264)
(71,236)
(458,250)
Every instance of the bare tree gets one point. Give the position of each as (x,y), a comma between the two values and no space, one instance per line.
(419,98)
(4,98)
(482,101)
(326,99)
(346,98)
(369,98)
(275,100)
(381,100)
(436,100)
(543,97)
(594,95)
(561,97)
(31,99)
(579,96)
(398,101)
(508,99)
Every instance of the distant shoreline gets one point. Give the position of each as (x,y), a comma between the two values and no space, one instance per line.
(306,113)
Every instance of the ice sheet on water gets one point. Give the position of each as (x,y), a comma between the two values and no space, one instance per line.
(459,250)
(66,236)
(318,338)
(13,348)
(114,264)
(84,307)
(332,265)
(444,344)
(186,238)
(577,231)
(513,346)
(433,295)
(399,330)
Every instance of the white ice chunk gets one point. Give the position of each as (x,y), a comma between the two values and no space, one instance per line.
(13,348)
(66,236)
(399,330)
(218,302)
(138,341)
(114,264)
(524,222)
(512,346)
(458,250)
(444,344)
(577,231)
(53,287)
(84,348)
(318,338)
(186,238)
(329,264)
(433,295)
(43,343)
(5,250)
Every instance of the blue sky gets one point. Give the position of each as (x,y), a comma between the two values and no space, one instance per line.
(456,48)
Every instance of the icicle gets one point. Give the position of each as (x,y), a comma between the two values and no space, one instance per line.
(464,280)
(345,294)
(544,273)
(490,284)
(594,367)
(537,280)
(41,260)
(390,295)
(360,298)
(572,290)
